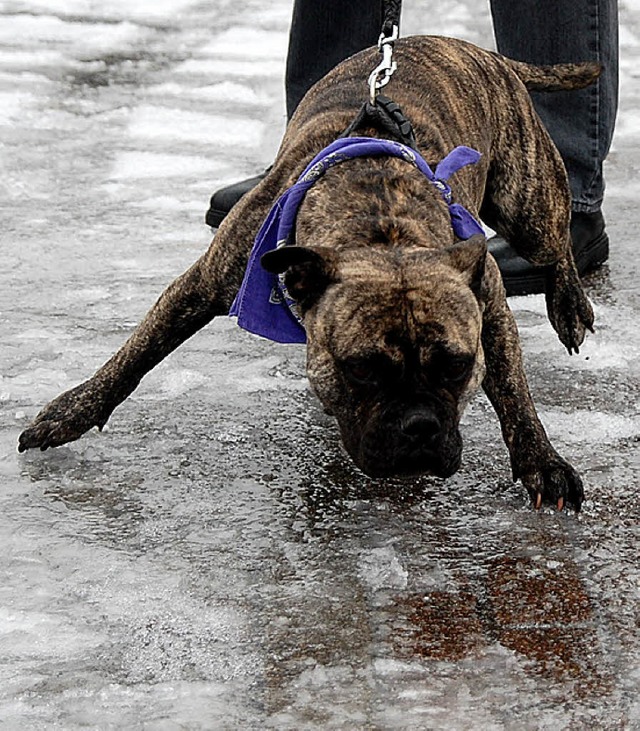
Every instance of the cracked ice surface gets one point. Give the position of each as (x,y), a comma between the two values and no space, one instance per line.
(213,560)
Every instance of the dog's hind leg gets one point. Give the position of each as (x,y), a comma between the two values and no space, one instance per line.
(528,202)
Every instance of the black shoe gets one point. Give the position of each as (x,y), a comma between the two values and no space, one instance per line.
(590,250)
(223,200)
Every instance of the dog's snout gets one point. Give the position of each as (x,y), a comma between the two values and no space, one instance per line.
(420,424)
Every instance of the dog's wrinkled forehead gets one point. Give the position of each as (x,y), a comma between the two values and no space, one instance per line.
(387,303)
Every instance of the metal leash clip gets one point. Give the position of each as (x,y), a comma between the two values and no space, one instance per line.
(382,74)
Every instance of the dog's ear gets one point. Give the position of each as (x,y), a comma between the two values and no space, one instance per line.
(469,257)
(308,271)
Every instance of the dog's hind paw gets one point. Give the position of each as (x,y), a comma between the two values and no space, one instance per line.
(556,483)
(65,419)
(568,306)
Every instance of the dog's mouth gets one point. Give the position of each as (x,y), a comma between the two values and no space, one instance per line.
(392,455)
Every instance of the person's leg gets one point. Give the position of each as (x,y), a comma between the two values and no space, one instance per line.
(322,34)
(581,123)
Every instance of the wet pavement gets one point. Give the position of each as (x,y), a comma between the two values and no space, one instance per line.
(213,560)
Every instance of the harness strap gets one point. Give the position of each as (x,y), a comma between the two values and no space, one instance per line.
(386,116)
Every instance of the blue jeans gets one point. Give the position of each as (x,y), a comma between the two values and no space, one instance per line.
(581,123)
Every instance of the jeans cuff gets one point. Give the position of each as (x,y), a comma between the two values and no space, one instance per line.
(580,207)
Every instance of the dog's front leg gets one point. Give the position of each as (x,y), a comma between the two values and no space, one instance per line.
(544,473)
(205,290)
(189,303)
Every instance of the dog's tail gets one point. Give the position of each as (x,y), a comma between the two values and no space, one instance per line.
(559,77)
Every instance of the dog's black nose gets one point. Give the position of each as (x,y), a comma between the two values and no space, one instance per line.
(420,424)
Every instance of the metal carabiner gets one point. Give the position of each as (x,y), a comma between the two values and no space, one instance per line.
(386,67)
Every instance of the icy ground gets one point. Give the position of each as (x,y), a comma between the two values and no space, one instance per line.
(213,561)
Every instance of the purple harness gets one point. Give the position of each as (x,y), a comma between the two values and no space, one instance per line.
(262,305)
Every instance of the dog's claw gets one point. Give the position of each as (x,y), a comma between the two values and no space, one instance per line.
(555,482)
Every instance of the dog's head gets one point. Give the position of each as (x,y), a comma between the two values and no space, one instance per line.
(393,347)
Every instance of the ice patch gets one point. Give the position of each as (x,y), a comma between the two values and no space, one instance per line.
(628,126)
(613,345)
(227,92)
(12,105)
(166,203)
(29,29)
(579,427)
(389,667)
(224,69)
(531,303)
(626,189)
(87,295)
(43,334)
(141,10)
(173,384)
(28,634)
(627,37)
(136,165)
(320,676)
(153,122)
(23,78)
(32,59)
(112,9)
(49,381)
(259,374)
(245,42)
(604,352)
(380,568)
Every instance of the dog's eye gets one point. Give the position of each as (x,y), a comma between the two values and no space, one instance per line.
(361,372)
(457,368)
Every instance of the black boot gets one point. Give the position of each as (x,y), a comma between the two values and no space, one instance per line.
(223,200)
(590,250)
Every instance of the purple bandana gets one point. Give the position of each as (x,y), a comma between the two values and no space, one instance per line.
(262,304)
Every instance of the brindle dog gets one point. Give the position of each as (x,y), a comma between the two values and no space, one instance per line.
(403,321)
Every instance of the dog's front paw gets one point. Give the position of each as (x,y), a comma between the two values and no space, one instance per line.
(65,419)
(568,307)
(554,482)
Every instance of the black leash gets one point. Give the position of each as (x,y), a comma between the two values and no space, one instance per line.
(392,10)
(379,111)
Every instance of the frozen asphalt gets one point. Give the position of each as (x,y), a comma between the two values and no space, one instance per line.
(212,560)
